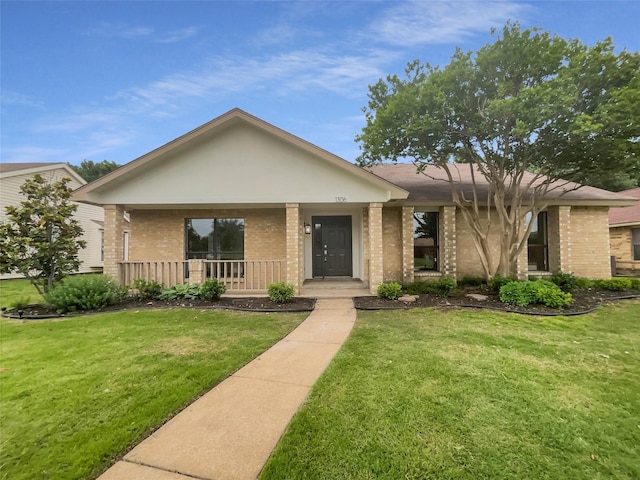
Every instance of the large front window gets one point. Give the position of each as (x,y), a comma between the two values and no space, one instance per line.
(537,245)
(425,241)
(215,238)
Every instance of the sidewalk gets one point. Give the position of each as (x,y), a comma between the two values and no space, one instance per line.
(229,433)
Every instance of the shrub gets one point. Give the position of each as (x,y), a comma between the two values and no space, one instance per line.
(442,287)
(539,291)
(635,283)
(614,284)
(84,292)
(469,281)
(498,282)
(566,281)
(518,293)
(211,289)
(147,290)
(390,290)
(417,288)
(181,291)
(584,283)
(281,292)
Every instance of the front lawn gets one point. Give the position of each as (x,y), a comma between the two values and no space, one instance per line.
(467,394)
(77,392)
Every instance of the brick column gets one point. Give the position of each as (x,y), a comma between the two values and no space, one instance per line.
(376,272)
(559,238)
(196,272)
(407,244)
(293,243)
(113,240)
(366,256)
(448,249)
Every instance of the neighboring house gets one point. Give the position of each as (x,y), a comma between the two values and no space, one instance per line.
(624,233)
(13,175)
(249,203)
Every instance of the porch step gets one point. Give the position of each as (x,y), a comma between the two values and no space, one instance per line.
(334,288)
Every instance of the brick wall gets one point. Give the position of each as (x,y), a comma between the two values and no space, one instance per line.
(159,234)
(620,243)
(590,242)
(392,243)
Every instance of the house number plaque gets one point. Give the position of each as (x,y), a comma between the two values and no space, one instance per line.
(341,199)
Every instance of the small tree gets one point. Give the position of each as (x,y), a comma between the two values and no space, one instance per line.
(40,239)
(519,116)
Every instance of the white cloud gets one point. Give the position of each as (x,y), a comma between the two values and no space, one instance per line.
(29,154)
(9,97)
(420,22)
(128,32)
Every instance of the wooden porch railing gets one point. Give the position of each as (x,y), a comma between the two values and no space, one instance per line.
(237,275)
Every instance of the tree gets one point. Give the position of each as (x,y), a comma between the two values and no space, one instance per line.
(90,171)
(516,117)
(40,240)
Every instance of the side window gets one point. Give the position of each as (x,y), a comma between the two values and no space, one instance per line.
(537,245)
(425,241)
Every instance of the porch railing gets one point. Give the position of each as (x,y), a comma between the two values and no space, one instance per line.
(237,275)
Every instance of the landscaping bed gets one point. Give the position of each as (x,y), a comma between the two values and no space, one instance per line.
(584,300)
(255,304)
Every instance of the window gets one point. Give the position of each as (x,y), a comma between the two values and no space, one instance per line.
(215,239)
(425,241)
(635,235)
(537,245)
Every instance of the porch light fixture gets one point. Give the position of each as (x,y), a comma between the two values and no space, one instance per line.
(307,229)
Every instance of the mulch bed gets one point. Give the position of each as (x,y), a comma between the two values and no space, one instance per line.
(584,301)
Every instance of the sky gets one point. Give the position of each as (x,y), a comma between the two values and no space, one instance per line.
(114,80)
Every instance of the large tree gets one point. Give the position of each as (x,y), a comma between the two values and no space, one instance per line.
(513,118)
(90,170)
(41,238)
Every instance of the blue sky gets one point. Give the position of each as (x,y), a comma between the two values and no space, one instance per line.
(114,80)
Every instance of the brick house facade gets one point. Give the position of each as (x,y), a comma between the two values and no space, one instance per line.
(624,235)
(244,201)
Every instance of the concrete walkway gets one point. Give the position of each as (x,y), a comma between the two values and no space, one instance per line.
(229,433)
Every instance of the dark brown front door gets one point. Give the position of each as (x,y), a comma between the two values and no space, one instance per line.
(332,246)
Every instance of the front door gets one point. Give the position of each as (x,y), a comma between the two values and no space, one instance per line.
(332,246)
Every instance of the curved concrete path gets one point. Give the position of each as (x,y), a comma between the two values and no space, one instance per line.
(229,432)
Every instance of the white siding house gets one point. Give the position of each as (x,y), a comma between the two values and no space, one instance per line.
(91,217)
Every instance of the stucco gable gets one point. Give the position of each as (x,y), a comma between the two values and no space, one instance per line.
(238,159)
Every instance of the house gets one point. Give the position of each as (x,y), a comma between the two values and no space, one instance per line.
(624,233)
(91,217)
(251,204)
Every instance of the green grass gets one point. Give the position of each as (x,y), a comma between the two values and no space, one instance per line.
(18,290)
(76,393)
(464,394)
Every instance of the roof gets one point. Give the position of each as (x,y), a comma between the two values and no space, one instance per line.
(31,168)
(93,192)
(432,188)
(11,167)
(626,215)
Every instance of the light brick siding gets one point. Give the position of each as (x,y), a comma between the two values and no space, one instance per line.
(376,270)
(113,239)
(468,260)
(392,243)
(407,244)
(620,242)
(559,233)
(449,241)
(293,245)
(366,256)
(160,234)
(590,242)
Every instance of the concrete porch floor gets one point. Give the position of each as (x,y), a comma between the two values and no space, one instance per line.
(334,287)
